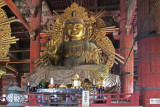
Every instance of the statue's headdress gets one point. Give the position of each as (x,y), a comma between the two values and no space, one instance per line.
(75,12)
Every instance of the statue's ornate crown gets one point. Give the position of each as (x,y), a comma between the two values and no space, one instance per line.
(75,12)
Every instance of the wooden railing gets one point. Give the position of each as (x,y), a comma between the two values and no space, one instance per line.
(33,99)
(106,100)
(30,100)
(113,99)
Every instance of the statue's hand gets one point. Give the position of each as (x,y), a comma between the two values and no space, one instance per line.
(51,47)
(51,50)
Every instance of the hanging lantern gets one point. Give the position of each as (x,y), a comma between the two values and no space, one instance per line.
(100,82)
(63,86)
(15,96)
(76,82)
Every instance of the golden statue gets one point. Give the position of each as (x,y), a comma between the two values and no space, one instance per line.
(79,45)
(75,48)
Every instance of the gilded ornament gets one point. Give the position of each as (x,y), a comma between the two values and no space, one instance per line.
(76,82)
(51,86)
(100,82)
(63,86)
(5,34)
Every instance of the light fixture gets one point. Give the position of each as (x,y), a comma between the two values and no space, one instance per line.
(76,82)
(4,96)
(51,85)
(100,82)
(15,96)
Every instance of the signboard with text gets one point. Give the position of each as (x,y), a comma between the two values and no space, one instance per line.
(154,100)
(85,99)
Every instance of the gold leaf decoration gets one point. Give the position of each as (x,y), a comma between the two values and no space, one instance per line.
(5,35)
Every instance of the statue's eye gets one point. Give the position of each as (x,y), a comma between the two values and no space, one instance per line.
(70,27)
(78,26)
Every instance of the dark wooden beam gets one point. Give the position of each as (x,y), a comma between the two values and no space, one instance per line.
(21,39)
(20,61)
(26,34)
(18,32)
(95,7)
(15,10)
(11,68)
(111,13)
(105,14)
(19,50)
(12,56)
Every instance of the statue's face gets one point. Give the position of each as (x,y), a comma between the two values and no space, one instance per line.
(75,30)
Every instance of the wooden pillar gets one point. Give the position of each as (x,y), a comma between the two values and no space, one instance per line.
(19,74)
(36,25)
(1,86)
(126,42)
(15,10)
(149,52)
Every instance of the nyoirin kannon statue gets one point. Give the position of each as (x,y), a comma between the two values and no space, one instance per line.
(78,45)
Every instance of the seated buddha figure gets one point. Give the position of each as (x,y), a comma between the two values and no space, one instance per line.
(75,48)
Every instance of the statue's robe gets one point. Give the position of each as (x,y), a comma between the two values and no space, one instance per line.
(62,74)
(77,58)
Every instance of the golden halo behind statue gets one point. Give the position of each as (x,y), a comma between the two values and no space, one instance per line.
(95,27)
